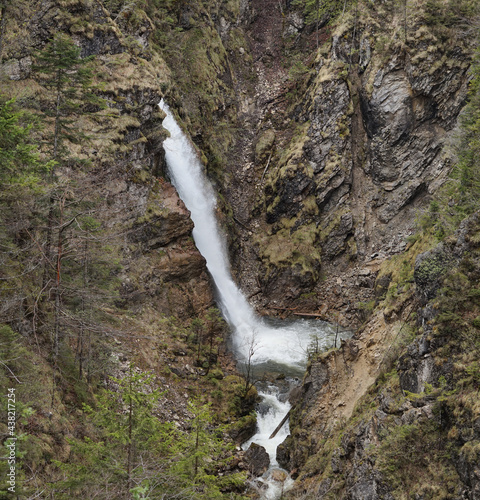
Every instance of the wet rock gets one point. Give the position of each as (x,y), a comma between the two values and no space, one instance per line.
(257,459)
(243,430)
(278,475)
(283,453)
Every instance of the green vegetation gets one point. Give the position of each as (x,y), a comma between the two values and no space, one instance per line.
(293,248)
(135,454)
(22,166)
(61,70)
(317,11)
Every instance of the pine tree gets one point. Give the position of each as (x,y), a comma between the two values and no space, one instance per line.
(68,77)
(130,456)
(20,162)
(21,180)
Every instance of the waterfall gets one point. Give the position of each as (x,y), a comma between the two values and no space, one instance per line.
(254,339)
(262,343)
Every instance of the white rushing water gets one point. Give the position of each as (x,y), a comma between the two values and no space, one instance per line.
(264,344)
(286,345)
(275,481)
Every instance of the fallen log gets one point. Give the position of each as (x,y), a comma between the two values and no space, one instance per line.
(297,313)
(268,163)
(253,294)
(280,425)
(313,315)
(241,223)
(282,308)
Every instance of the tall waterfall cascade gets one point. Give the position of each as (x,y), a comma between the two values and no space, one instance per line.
(254,339)
(262,343)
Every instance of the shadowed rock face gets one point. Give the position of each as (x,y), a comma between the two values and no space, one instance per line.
(257,459)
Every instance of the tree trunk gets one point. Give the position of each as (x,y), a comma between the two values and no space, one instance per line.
(58,278)
(48,240)
(57,308)
(81,333)
(3,13)
(130,426)
(197,442)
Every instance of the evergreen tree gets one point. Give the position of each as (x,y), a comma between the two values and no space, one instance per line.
(68,80)
(138,456)
(20,162)
(316,10)
(130,455)
(63,72)
(21,181)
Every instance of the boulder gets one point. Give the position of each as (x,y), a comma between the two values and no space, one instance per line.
(283,452)
(257,459)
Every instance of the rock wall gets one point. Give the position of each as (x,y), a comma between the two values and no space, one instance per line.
(356,145)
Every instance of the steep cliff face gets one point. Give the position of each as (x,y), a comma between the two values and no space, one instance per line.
(347,148)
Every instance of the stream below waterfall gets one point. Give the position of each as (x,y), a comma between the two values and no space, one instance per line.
(263,344)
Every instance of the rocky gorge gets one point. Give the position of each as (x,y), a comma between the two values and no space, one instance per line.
(326,134)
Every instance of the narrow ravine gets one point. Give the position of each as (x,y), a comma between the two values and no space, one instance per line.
(267,345)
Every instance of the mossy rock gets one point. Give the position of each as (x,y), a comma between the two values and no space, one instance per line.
(264,144)
(243,428)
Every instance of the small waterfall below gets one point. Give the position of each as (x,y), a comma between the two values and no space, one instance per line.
(265,344)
